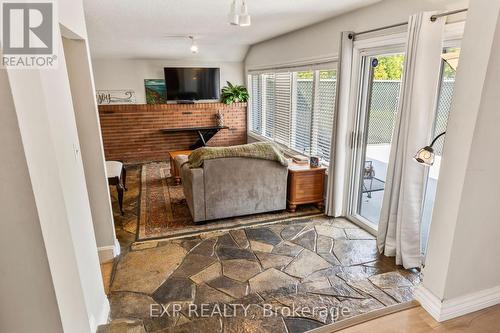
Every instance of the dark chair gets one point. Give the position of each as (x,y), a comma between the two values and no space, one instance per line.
(117,176)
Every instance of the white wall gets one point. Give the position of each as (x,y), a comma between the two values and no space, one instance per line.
(50,141)
(463,246)
(116,74)
(89,133)
(60,236)
(322,39)
(25,272)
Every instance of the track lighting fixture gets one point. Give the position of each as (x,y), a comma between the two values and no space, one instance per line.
(245,20)
(234,18)
(241,18)
(194,46)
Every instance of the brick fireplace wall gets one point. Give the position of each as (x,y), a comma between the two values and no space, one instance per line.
(132,133)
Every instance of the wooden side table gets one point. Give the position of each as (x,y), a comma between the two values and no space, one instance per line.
(305,185)
(174,172)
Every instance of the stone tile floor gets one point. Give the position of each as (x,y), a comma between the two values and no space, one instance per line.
(287,277)
(312,263)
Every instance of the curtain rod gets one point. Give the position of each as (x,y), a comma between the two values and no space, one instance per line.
(435,17)
(353,34)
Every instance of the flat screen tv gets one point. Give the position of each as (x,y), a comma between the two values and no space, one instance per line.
(191,84)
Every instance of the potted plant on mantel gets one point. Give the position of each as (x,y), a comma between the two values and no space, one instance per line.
(234,94)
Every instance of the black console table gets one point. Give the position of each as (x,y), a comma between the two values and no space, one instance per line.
(204,133)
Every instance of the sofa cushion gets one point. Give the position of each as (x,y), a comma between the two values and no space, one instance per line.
(242,186)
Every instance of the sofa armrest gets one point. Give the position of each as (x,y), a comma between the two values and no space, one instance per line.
(194,191)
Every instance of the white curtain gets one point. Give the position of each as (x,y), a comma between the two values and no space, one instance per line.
(399,227)
(336,172)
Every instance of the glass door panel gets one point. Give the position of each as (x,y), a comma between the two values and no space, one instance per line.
(379,100)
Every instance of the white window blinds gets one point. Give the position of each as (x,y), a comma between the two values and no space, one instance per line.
(270,101)
(256,104)
(295,108)
(303,92)
(283,108)
(324,113)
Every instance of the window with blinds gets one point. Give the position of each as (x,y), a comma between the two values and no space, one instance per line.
(295,109)
(256,104)
(283,108)
(269,105)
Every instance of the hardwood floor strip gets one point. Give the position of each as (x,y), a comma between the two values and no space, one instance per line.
(363,318)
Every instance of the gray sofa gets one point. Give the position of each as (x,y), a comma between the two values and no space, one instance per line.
(233,186)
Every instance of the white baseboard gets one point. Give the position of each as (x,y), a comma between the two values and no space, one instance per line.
(103,316)
(107,253)
(442,310)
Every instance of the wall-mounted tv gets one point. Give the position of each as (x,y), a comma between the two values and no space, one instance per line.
(191,84)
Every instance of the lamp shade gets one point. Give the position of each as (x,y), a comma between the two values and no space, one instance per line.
(234,18)
(425,156)
(245,20)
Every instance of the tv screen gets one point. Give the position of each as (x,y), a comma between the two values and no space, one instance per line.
(189,84)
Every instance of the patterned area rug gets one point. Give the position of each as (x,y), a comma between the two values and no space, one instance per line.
(164,212)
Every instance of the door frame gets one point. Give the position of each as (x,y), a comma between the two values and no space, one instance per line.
(391,43)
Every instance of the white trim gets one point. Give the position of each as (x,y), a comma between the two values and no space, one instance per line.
(442,310)
(103,317)
(384,32)
(293,65)
(373,45)
(454,31)
(107,253)
(393,43)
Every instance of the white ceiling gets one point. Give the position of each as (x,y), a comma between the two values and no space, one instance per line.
(139,29)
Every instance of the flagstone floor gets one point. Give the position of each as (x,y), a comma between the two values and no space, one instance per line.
(287,277)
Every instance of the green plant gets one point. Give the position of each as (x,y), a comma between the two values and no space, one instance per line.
(234,94)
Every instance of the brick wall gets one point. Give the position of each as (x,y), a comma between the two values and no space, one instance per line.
(132,133)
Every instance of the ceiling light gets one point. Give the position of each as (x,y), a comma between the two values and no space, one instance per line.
(234,18)
(194,46)
(244,18)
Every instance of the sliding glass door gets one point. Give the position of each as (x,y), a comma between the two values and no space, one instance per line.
(380,79)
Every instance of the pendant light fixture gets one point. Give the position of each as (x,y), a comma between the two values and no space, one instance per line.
(241,18)
(245,20)
(234,18)
(194,46)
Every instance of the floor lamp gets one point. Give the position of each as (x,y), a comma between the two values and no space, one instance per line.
(425,156)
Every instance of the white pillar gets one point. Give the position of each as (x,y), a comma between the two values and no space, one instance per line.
(50,276)
(462,273)
(28,302)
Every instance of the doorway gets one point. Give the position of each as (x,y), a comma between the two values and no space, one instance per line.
(380,79)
